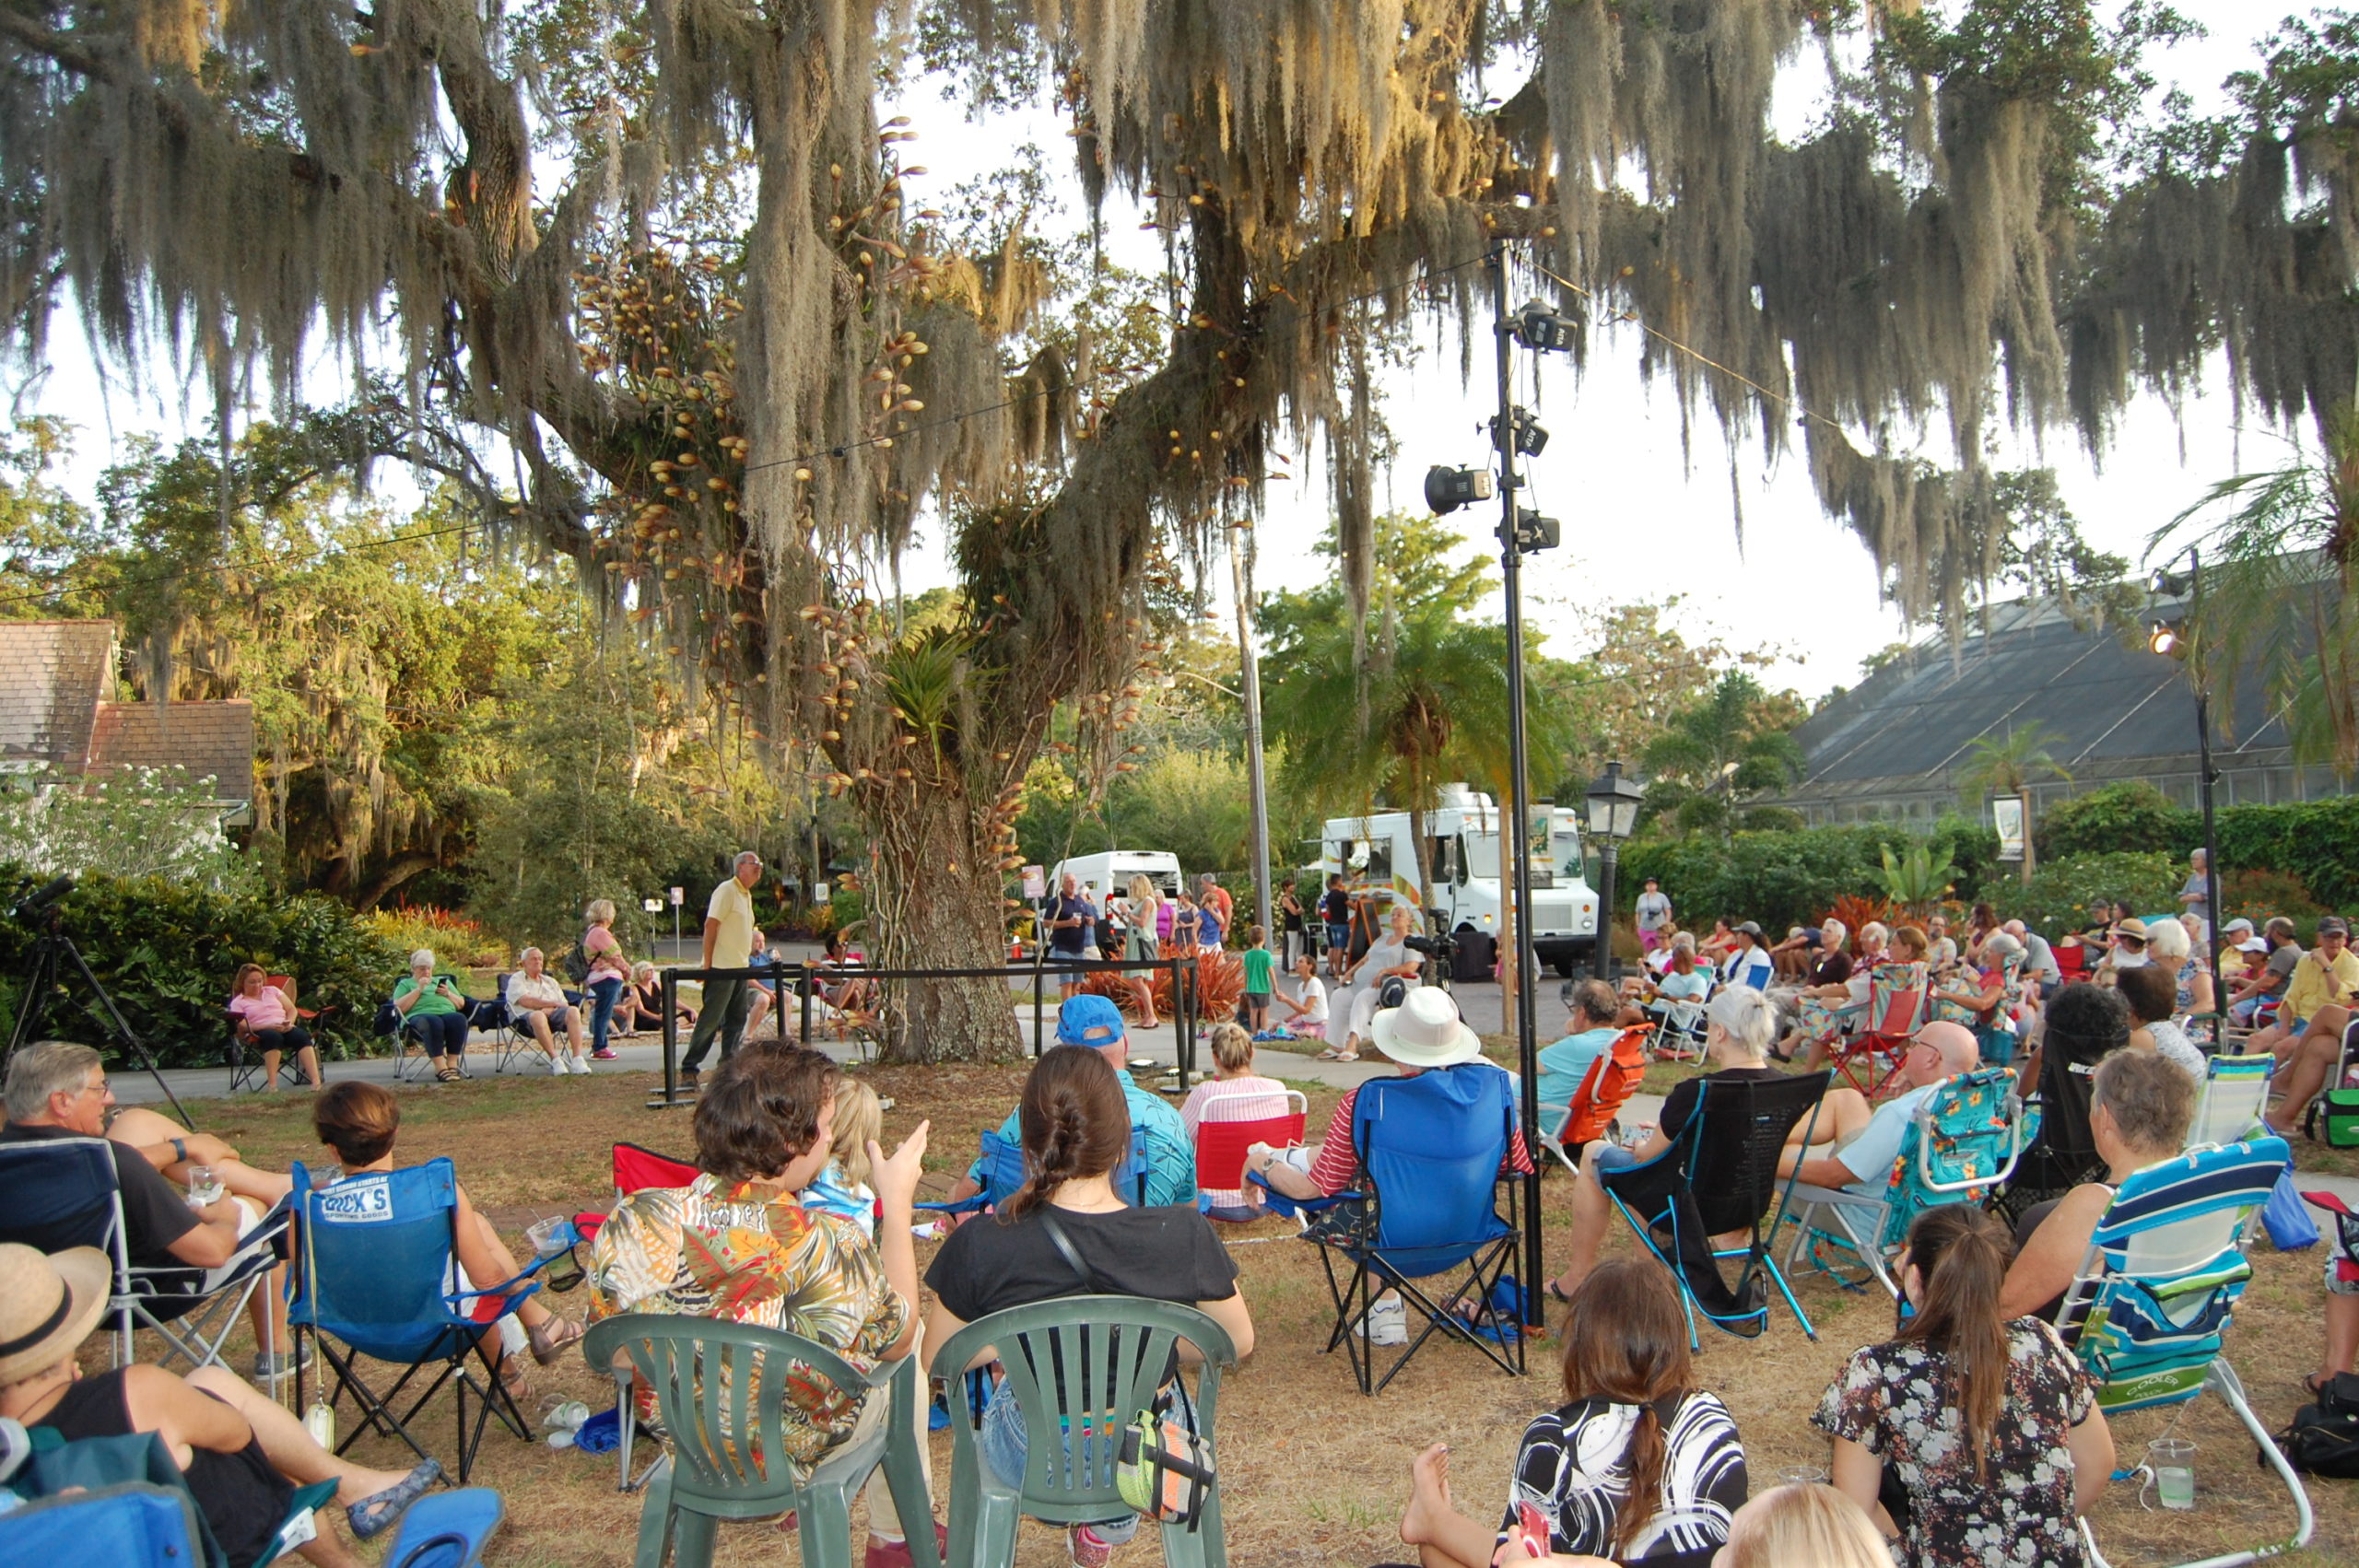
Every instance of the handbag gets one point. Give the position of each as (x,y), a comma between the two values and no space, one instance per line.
(1163,1470)
(2290,1225)
(2338,1110)
(2324,1437)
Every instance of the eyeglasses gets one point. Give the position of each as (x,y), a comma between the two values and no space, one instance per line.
(2127,940)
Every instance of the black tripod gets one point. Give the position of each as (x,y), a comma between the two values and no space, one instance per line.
(42,983)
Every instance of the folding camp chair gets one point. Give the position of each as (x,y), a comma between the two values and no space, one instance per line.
(243,1071)
(1608,1084)
(497,1019)
(1720,1176)
(1677,1032)
(1080,1370)
(1225,1134)
(1964,1138)
(636,1169)
(722,1389)
(2227,1110)
(393,1024)
(63,1192)
(2059,1153)
(2149,1313)
(1895,1011)
(446,1529)
(135,1507)
(1003,1173)
(379,1271)
(1431,1149)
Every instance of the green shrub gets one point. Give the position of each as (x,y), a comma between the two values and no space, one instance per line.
(2120,819)
(2257,895)
(2318,841)
(456,940)
(2061,891)
(165,952)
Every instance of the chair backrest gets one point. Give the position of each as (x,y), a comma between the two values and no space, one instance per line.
(1896,994)
(2153,1302)
(722,1388)
(134,1525)
(1964,1140)
(1080,1369)
(1432,1146)
(1004,1172)
(377,1261)
(1223,1137)
(2228,1109)
(62,1192)
(1734,1140)
(637,1169)
(1611,1081)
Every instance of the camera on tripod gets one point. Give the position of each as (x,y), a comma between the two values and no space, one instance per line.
(42,902)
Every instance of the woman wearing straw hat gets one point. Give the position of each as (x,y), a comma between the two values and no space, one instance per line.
(243,1455)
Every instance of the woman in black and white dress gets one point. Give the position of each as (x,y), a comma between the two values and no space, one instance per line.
(1637,1466)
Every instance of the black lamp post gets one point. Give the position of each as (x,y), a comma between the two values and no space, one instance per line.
(2170,637)
(1614,803)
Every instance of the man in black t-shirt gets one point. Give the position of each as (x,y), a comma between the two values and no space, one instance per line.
(56,1090)
(1073,928)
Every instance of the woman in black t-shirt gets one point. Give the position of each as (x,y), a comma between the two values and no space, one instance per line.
(1076,1127)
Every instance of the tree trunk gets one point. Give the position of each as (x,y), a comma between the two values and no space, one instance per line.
(2026,799)
(1425,871)
(936,902)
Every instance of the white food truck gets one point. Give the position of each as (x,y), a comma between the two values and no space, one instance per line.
(1109,873)
(1464,836)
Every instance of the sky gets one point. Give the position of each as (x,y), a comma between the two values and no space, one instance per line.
(1641,520)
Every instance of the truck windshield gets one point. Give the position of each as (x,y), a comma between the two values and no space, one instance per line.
(1483,855)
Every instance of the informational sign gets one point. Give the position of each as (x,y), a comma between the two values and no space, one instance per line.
(679,897)
(2007,816)
(1544,850)
(821,892)
(1036,881)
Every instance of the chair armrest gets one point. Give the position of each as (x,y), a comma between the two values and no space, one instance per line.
(1280,1203)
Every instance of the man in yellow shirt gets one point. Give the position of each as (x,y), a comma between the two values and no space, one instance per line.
(728,944)
(2307,1039)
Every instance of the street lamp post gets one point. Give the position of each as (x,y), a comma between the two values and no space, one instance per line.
(1248,661)
(1614,803)
(2172,638)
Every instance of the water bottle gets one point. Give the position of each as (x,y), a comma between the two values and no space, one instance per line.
(319,1422)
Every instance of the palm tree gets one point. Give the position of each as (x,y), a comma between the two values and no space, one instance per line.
(2006,765)
(1714,753)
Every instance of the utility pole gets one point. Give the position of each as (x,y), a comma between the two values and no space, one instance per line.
(1248,661)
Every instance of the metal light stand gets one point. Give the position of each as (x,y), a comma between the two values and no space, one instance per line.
(2204,781)
(41,982)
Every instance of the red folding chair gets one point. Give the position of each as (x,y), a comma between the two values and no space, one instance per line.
(1870,1059)
(1221,1143)
(1611,1081)
(637,1169)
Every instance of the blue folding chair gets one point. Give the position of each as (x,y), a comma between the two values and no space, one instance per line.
(447,1529)
(1718,1177)
(2235,1088)
(1003,1173)
(2149,1313)
(1963,1141)
(63,1192)
(1430,1150)
(380,1273)
(134,1525)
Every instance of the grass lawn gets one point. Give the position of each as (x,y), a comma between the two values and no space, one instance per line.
(1312,1473)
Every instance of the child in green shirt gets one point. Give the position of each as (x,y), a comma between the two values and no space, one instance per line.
(1260,969)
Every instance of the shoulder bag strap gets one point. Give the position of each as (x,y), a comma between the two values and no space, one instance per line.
(1072,1254)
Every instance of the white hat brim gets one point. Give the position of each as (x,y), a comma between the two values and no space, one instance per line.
(1464,1045)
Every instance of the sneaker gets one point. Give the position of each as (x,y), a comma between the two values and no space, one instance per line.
(270,1367)
(581,1064)
(896,1553)
(1087,1548)
(606,1055)
(558,1068)
(1387,1322)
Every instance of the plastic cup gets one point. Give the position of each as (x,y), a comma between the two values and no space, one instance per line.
(550,1235)
(2172,1460)
(204,1187)
(1801,1475)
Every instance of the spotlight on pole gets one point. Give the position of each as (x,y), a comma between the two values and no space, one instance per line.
(2165,637)
(1531,440)
(1447,489)
(1542,330)
(1533,531)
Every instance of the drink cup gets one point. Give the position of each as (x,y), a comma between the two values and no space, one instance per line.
(2172,1460)
(204,1187)
(550,1235)
(1801,1475)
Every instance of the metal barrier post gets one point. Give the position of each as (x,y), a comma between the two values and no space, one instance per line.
(671,1095)
(1036,1010)
(804,987)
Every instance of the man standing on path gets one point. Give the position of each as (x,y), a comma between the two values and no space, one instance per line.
(1654,913)
(1073,926)
(728,944)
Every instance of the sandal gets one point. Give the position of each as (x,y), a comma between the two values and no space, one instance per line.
(1557,1295)
(550,1337)
(373,1513)
(446,1074)
(512,1380)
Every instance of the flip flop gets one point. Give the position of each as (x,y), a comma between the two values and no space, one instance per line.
(1557,1295)
(373,1513)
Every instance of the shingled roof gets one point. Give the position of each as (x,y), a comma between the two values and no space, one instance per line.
(212,739)
(52,676)
(2109,710)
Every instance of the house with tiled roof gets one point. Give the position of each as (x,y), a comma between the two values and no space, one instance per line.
(57,679)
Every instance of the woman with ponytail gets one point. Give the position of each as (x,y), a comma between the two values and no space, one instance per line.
(1075,1128)
(1979,1435)
(1637,1467)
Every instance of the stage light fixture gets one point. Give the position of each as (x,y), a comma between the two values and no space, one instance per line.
(1447,489)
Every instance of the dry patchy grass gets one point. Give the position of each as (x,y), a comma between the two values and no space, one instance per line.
(1313,1473)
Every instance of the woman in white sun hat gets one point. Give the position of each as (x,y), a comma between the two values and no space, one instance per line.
(242,1453)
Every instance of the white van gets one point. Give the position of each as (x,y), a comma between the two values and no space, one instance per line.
(1464,836)
(1108,874)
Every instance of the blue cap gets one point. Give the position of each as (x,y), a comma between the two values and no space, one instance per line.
(1088,1021)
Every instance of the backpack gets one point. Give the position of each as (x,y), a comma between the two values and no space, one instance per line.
(2324,1438)
(577,965)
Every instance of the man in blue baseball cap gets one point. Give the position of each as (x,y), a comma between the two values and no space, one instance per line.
(1093,1022)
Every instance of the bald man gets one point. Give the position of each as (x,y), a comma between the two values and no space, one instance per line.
(1867,1139)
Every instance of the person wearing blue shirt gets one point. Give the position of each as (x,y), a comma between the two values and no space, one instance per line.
(1750,964)
(1094,1022)
(1591,1035)
(1867,1142)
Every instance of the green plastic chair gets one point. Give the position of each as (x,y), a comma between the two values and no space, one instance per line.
(701,1481)
(1114,1350)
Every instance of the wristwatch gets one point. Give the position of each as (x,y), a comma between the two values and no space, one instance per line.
(180,1148)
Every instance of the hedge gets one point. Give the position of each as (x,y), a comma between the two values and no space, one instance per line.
(165,952)
(2317,841)
(1792,878)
